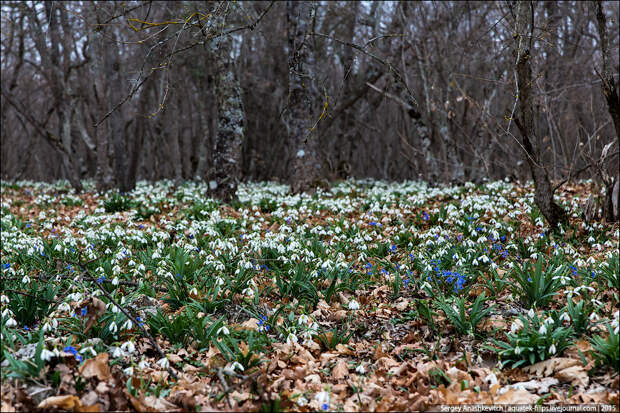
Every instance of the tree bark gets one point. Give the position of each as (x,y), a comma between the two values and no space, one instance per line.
(610,91)
(227,155)
(543,195)
(305,166)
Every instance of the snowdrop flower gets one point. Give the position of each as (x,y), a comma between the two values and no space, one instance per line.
(113,327)
(47,355)
(492,378)
(303,319)
(531,313)
(193,291)
(117,352)
(360,369)
(128,347)
(127,325)
(115,281)
(64,307)
(128,371)
(516,326)
(90,349)
(163,363)
(4,299)
(291,338)
(11,322)
(552,349)
(354,305)
(143,364)
(517,350)
(302,401)
(323,399)
(237,366)
(565,317)
(50,325)
(615,323)
(594,317)
(542,330)
(549,320)
(26,279)
(223,330)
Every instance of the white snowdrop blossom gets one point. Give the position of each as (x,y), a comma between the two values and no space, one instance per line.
(47,355)
(223,330)
(552,349)
(163,363)
(323,399)
(542,329)
(360,369)
(302,401)
(128,347)
(531,313)
(354,305)
(291,338)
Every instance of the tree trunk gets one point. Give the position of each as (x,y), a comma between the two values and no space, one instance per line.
(227,155)
(305,165)
(543,195)
(610,91)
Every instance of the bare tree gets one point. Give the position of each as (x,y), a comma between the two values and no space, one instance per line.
(523,38)
(305,165)
(610,90)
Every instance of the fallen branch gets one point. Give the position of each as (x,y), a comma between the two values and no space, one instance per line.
(133,320)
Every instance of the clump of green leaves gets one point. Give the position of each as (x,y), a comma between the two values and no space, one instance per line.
(536,284)
(331,338)
(116,202)
(465,318)
(535,341)
(606,351)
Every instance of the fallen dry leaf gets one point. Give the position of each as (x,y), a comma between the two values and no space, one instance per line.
(340,370)
(516,396)
(96,367)
(575,375)
(68,402)
(95,309)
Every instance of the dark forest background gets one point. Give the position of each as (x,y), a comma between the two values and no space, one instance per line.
(307,92)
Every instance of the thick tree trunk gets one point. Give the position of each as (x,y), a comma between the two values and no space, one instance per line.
(305,165)
(227,155)
(610,91)
(543,190)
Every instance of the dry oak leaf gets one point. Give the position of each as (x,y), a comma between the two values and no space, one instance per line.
(251,324)
(95,309)
(340,370)
(576,375)
(96,367)
(548,367)
(68,402)
(516,396)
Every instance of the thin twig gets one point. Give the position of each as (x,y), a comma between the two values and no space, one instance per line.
(27,295)
(133,320)
(362,49)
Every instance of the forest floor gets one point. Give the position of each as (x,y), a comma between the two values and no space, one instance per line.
(365,296)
